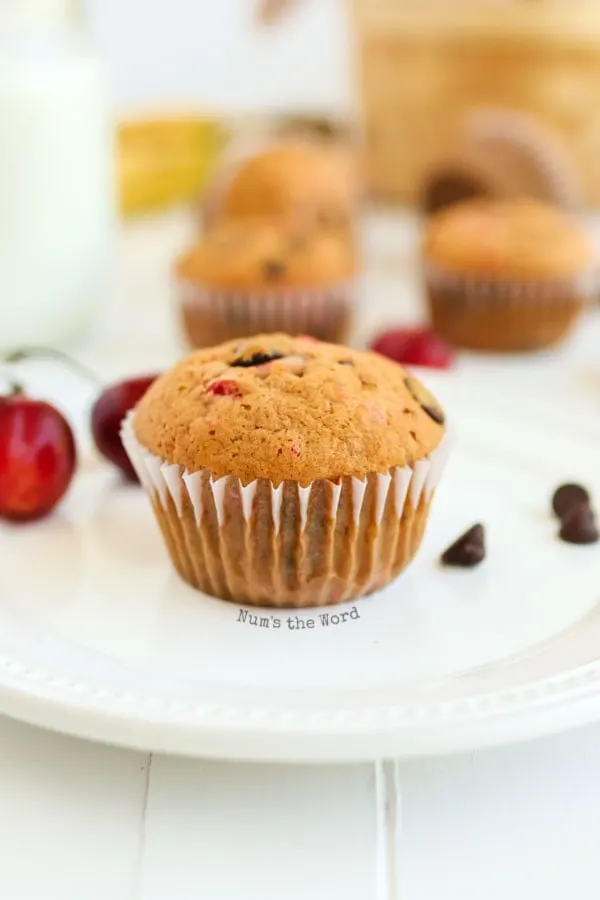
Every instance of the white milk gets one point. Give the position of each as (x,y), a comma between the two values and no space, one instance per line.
(57,179)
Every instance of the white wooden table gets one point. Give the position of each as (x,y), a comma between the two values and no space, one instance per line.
(86,822)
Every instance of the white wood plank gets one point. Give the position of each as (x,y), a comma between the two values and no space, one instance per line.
(521,822)
(70,817)
(241,832)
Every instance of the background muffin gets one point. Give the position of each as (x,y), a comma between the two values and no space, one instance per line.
(287,472)
(501,155)
(251,275)
(306,181)
(505,275)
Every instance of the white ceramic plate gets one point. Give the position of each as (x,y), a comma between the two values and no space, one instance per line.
(100,639)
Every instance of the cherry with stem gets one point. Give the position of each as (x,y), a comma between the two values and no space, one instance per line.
(109,409)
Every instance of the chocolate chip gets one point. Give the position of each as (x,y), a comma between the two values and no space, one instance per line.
(257,359)
(567,496)
(468,550)
(578,525)
(273,269)
(434,412)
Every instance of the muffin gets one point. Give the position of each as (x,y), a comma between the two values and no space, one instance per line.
(287,472)
(250,275)
(501,155)
(311,182)
(505,275)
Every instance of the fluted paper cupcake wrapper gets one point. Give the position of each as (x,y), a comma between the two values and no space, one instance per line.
(500,314)
(289,545)
(513,291)
(212,315)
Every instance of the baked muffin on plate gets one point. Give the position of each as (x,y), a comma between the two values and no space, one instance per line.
(506,275)
(287,472)
(251,275)
(307,181)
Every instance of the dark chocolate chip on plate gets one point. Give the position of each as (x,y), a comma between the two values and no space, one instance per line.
(567,496)
(257,359)
(578,525)
(468,550)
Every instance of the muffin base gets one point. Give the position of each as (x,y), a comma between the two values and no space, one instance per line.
(212,316)
(292,546)
(503,316)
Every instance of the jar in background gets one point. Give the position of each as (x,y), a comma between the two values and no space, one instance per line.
(57,180)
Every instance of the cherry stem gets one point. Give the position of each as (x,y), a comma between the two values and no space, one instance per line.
(25,353)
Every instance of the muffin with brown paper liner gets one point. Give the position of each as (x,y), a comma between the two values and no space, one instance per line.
(506,275)
(286,472)
(256,275)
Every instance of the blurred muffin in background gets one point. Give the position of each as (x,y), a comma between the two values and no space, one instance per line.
(501,154)
(304,180)
(252,274)
(505,275)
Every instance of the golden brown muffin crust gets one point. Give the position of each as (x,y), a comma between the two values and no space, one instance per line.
(523,239)
(295,178)
(261,253)
(318,411)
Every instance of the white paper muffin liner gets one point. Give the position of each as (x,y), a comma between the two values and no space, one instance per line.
(212,315)
(289,545)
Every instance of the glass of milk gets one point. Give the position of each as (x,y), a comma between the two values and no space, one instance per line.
(57,175)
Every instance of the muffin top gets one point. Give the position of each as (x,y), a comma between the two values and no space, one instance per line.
(286,408)
(296,179)
(262,253)
(507,239)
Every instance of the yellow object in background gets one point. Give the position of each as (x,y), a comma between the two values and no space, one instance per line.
(166,160)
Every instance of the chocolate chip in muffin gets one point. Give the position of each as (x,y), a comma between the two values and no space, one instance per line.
(567,496)
(421,396)
(434,412)
(468,550)
(273,269)
(257,359)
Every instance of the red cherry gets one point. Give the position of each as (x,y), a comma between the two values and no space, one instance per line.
(37,457)
(415,347)
(225,387)
(108,413)
(392,343)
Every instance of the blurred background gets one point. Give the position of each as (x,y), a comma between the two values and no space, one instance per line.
(114,110)
(200,54)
